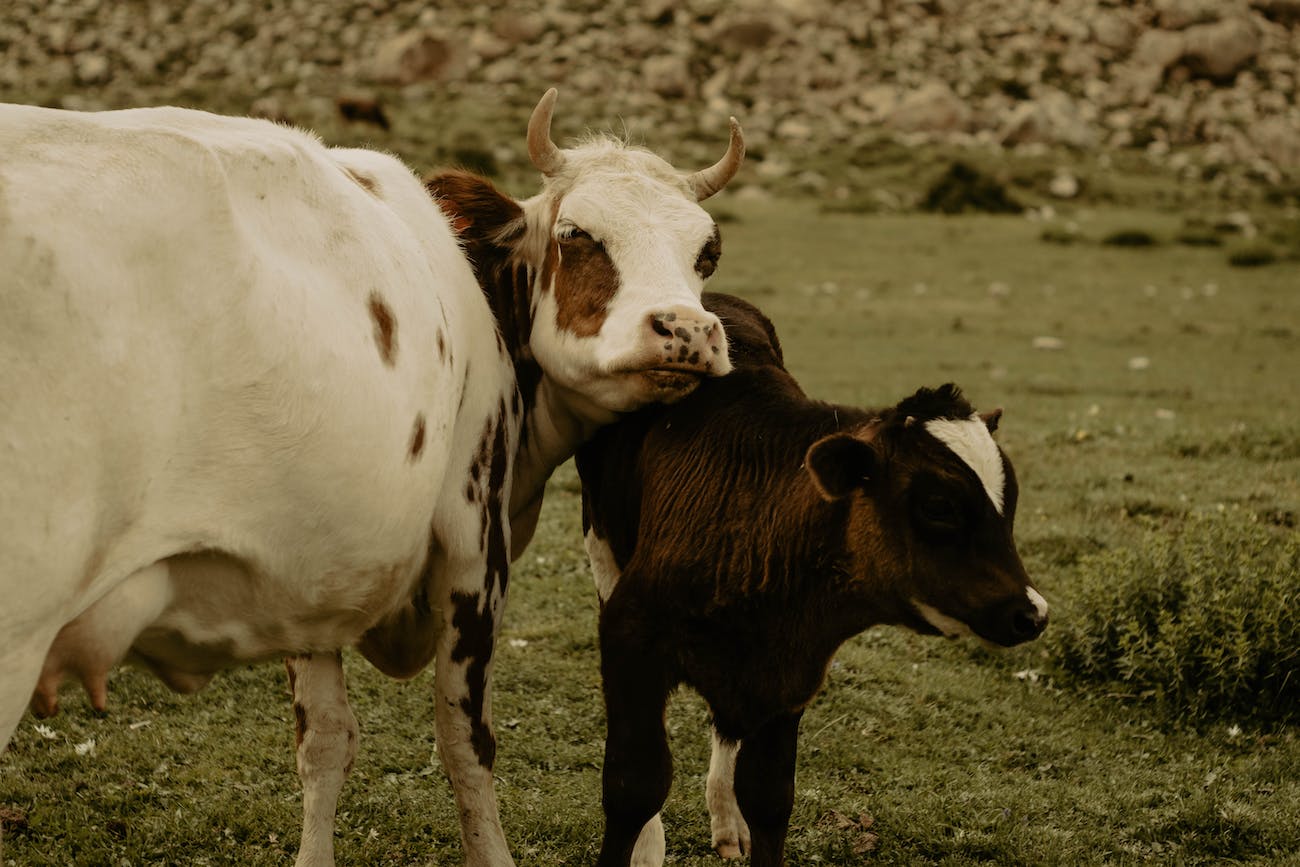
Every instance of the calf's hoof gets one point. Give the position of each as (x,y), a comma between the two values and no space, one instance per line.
(733,843)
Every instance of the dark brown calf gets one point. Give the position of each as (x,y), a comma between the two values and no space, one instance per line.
(739,536)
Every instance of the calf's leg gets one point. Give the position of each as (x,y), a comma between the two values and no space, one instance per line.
(327,746)
(765,786)
(650,849)
(730,833)
(638,765)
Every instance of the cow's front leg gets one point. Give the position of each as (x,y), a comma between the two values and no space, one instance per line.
(327,745)
(730,833)
(471,612)
(765,786)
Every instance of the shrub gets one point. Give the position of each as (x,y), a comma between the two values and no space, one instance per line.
(1130,238)
(965,189)
(1252,253)
(1203,622)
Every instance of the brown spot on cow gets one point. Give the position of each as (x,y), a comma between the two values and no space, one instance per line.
(385,328)
(417,438)
(474,624)
(585,283)
(367,183)
(300,723)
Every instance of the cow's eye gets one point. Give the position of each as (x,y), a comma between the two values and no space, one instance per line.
(575,235)
(939,511)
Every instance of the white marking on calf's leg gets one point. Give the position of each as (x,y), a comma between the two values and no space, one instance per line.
(730,831)
(327,746)
(604,569)
(971,441)
(650,848)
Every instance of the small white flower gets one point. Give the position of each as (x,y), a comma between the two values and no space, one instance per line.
(1234,731)
(1029,675)
(519,642)
(46,732)
(85,747)
(1139,362)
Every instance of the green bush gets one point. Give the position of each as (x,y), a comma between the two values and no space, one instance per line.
(1203,622)
(1130,238)
(1251,254)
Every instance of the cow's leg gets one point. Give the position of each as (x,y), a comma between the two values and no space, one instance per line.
(730,833)
(765,786)
(638,765)
(471,609)
(327,745)
(22,669)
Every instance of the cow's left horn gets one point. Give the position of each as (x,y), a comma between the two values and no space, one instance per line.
(708,181)
(548,158)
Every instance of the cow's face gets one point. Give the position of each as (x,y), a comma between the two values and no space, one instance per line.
(625,250)
(931,518)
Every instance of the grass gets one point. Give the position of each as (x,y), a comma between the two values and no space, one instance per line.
(956,755)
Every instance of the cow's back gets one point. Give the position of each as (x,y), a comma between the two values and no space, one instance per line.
(209,326)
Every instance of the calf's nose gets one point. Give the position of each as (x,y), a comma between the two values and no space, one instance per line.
(1025,617)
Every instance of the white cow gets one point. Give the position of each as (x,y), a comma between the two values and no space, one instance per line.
(255,401)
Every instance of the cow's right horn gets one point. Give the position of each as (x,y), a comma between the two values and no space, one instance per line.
(548,158)
(708,181)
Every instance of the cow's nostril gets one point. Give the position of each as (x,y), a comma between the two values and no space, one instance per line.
(658,323)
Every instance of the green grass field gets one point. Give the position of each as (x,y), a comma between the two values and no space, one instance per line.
(1171,399)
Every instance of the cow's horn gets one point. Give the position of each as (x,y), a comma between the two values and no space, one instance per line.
(548,158)
(708,181)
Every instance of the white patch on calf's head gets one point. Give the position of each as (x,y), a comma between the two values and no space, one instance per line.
(971,441)
(1036,599)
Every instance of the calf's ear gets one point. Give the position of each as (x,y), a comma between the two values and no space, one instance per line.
(991,419)
(839,464)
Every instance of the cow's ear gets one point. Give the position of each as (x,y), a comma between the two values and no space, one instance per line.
(991,419)
(839,464)
(476,208)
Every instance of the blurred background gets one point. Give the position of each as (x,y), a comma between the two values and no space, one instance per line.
(856,102)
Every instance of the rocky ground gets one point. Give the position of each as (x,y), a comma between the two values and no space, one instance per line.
(1202,89)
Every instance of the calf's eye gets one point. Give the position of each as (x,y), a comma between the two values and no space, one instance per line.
(939,511)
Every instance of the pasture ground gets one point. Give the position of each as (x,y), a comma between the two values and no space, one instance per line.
(1172,394)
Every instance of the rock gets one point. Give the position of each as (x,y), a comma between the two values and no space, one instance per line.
(416,55)
(1158,49)
(1177,14)
(667,75)
(91,68)
(1053,118)
(931,108)
(744,35)
(519,28)
(1064,185)
(1218,51)
(1284,12)
(1115,31)
(1278,140)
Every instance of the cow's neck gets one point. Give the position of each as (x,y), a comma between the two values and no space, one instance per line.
(555,420)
